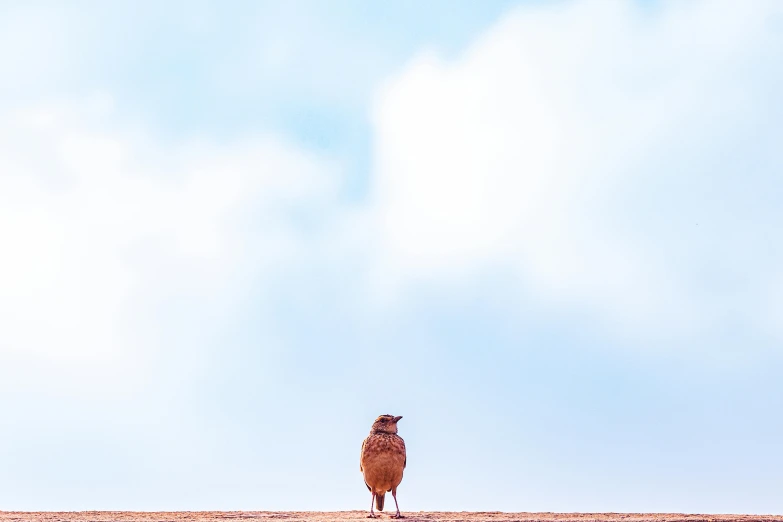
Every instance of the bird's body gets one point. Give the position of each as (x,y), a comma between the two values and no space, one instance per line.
(383,460)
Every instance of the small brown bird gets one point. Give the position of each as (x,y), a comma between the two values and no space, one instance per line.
(382,461)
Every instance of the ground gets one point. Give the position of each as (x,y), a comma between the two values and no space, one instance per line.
(348,516)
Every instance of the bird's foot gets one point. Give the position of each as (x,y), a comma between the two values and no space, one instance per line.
(372,515)
(398,515)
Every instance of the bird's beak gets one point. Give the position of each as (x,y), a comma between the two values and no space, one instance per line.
(397,418)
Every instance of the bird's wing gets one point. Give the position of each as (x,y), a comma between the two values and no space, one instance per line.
(360,457)
(404,454)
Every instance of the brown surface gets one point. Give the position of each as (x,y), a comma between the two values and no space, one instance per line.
(217,516)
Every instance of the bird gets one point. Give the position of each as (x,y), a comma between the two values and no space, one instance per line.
(382,461)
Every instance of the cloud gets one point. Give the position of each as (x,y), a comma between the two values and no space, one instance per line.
(599,153)
(608,162)
(105,230)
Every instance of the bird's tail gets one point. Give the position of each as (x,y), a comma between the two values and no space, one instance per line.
(379,501)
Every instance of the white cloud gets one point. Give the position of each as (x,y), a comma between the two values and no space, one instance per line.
(569,145)
(101,228)
(542,149)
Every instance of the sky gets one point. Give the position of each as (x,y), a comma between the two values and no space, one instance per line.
(545,233)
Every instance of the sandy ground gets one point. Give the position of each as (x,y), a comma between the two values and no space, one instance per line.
(214,516)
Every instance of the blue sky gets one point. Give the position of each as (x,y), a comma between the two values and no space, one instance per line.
(546,233)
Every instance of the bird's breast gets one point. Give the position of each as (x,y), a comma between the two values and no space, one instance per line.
(383,460)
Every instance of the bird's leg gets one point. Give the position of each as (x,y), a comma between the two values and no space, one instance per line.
(394,494)
(372,503)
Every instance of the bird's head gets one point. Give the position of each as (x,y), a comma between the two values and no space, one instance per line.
(386,424)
